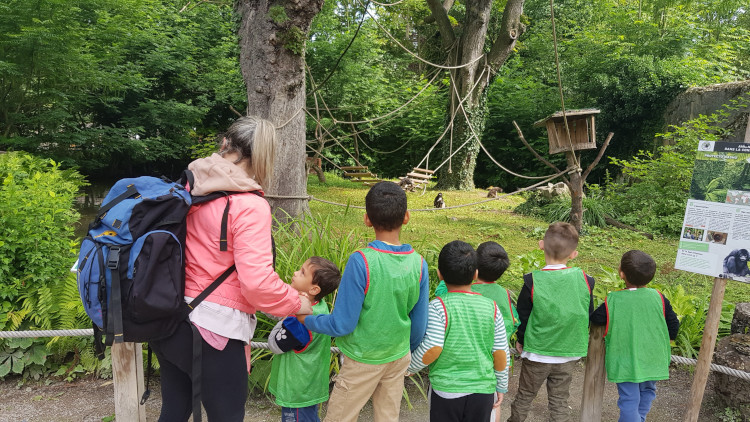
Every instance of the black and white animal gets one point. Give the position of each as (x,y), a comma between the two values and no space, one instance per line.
(736,263)
(439,203)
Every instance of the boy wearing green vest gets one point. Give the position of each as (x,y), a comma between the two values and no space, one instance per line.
(554,307)
(300,371)
(380,313)
(465,345)
(640,322)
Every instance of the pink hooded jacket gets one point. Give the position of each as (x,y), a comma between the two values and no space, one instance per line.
(255,285)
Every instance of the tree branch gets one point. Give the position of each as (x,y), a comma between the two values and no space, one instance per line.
(447,4)
(536,154)
(444,24)
(511,29)
(598,157)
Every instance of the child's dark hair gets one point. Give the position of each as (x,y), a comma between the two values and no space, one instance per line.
(560,240)
(457,263)
(638,266)
(492,261)
(326,275)
(385,204)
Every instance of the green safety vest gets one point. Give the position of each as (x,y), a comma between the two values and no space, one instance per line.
(637,338)
(559,320)
(300,379)
(466,363)
(501,296)
(384,328)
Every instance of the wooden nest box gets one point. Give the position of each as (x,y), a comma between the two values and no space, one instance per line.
(582,131)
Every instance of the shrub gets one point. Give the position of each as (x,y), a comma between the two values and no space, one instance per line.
(36,251)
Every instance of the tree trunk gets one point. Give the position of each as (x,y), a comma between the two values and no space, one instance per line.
(469,83)
(272,46)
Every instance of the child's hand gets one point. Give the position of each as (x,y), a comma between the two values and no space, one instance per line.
(519,347)
(499,401)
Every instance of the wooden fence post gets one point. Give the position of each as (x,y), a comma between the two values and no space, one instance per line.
(710,331)
(593,378)
(127,372)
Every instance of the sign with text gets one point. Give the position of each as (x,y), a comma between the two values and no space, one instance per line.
(715,238)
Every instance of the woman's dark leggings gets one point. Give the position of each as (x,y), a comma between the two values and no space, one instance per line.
(223,383)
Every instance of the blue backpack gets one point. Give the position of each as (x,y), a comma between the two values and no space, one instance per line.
(131,272)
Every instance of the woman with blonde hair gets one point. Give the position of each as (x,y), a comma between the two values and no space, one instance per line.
(223,324)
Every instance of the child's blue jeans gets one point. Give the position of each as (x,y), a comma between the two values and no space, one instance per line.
(300,414)
(635,400)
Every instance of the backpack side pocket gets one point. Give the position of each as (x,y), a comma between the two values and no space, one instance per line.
(155,267)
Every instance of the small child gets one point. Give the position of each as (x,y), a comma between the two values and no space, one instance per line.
(640,322)
(554,307)
(299,380)
(465,344)
(380,313)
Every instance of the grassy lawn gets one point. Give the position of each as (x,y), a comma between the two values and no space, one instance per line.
(599,248)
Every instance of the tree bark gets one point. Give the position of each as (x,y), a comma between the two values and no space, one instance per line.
(471,81)
(272,45)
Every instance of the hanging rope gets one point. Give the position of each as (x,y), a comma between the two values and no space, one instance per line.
(475,136)
(394,111)
(341,56)
(469,63)
(559,85)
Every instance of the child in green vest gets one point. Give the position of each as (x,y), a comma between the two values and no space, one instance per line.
(465,345)
(380,313)
(554,307)
(640,322)
(299,373)
(492,261)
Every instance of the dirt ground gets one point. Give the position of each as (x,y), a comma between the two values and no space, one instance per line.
(92,400)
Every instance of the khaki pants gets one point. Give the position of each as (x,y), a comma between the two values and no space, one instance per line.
(357,382)
(533,375)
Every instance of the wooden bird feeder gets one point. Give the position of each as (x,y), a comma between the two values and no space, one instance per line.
(582,130)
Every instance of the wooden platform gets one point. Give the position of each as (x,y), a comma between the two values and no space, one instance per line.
(419,178)
(360,174)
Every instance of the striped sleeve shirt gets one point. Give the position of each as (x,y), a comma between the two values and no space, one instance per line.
(435,337)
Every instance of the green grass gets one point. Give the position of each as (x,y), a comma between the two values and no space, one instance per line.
(599,249)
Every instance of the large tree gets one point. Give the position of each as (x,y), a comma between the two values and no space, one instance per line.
(272,58)
(463,44)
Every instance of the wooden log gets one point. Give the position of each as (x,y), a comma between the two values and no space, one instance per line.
(710,331)
(366,180)
(358,174)
(593,378)
(127,372)
(419,176)
(612,222)
(353,168)
(419,170)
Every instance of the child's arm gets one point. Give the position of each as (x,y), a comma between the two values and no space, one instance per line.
(288,334)
(599,316)
(418,314)
(673,323)
(524,306)
(349,299)
(432,343)
(500,353)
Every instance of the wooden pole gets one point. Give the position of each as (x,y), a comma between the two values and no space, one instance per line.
(576,192)
(127,371)
(593,378)
(710,331)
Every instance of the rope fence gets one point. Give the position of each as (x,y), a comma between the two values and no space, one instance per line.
(743,375)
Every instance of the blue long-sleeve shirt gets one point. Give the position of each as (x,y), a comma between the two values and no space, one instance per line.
(351,297)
